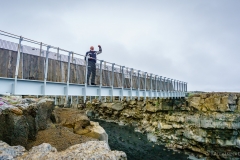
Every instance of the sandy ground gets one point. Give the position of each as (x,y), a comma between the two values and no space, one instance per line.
(136,145)
(59,137)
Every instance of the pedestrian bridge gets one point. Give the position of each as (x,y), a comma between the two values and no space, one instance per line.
(29,67)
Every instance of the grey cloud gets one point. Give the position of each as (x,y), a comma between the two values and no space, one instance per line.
(193,41)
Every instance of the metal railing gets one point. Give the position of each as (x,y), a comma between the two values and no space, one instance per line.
(108,74)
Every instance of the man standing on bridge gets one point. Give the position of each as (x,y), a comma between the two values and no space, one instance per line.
(92,58)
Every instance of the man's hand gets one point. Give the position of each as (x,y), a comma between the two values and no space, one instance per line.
(99,45)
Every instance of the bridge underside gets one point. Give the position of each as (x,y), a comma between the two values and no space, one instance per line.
(34,87)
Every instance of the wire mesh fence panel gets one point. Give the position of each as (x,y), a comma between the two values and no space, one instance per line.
(106,75)
(153,83)
(117,77)
(142,81)
(97,77)
(148,82)
(126,78)
(81,72)
(159,85)
(7,66)
(171,86)
(134,80)
(73,77)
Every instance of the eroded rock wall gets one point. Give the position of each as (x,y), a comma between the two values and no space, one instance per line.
(206,123)
(20,119)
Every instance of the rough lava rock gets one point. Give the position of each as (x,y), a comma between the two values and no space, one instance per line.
(89,150)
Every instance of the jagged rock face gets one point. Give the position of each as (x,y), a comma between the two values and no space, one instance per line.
(88,150)
(71,118)
(204,123)
(79,122)
(20,119)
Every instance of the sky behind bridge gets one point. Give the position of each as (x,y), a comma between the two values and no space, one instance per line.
(194,41)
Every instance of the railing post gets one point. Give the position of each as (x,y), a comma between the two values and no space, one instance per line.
(131,73)
(156,86)
(112,83)
(168,92)
(186,87)
(85,88)
(171,87)
(40,52)
(46,71)
(68,75)
(138,84)
(150,85)
(165,87)
(100,85)
(145,85)
(160,86)
(180,88)
(74,61)
(22,61)
(122,82)
(17,65)
(174,84)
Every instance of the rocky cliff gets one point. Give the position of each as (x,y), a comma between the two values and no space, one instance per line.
(49,132)
(205,124)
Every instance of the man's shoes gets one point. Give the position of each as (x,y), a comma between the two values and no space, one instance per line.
(93,84)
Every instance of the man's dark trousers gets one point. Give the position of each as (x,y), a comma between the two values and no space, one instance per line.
(91,69)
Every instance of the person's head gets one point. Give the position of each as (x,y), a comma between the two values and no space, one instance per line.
(91,48)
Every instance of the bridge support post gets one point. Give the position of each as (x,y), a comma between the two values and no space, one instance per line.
(122,82)
(17,66)
(112,83)
(46,71)
(100,85)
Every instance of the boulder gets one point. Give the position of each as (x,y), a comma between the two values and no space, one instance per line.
(72,118)
(10,152)
(21,123)
(45,108)
(14,129)
(96,131)
(118,106)
(88,150)
(194,102)
(153,108)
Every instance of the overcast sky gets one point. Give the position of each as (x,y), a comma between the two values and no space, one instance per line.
(193,41)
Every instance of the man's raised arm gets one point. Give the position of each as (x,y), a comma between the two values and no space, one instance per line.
(100,49)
